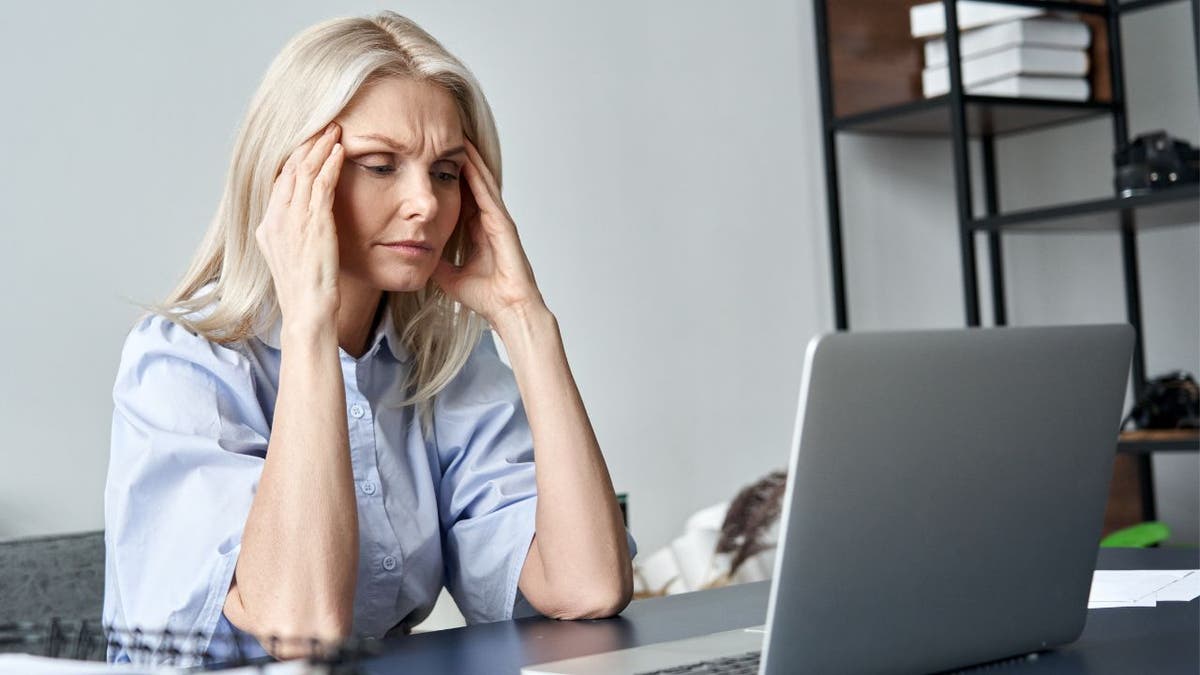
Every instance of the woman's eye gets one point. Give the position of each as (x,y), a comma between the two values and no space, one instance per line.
(387,169)
(378,163)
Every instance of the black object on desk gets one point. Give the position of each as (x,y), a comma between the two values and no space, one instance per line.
(1162,639)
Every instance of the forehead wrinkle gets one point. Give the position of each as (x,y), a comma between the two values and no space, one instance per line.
(427,139)
(452,149)
(410,130)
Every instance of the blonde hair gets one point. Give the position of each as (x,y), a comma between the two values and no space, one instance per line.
(309,83)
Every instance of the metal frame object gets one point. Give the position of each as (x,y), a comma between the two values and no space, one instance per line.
(1174,203)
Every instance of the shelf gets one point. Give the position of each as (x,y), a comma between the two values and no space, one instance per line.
(994,115)
(1165,208)
(1138,5)
(1166,440)
(874,67)
(1089,6)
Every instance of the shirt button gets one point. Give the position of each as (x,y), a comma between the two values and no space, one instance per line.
(368,488)
(356,411)
(389,563)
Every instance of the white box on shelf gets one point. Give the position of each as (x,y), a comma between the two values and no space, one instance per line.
(1028,86)
(1006,63)
(1041,31)
(929,19)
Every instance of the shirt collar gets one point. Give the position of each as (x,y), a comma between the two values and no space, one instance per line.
(386,332)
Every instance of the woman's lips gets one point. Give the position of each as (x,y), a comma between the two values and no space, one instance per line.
(412,249)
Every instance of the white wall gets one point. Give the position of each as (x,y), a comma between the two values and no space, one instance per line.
(661,159)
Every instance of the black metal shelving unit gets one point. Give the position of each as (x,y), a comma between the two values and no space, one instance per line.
(960,117)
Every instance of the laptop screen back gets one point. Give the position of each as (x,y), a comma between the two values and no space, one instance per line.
(946,496)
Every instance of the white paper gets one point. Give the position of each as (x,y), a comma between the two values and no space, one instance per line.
(1185,589)
(1100,604)
(1142,588)
(25,664)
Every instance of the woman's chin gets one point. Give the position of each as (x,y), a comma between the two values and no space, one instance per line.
(404,283)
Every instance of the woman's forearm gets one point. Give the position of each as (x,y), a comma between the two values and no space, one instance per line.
(297,569)
(578,564)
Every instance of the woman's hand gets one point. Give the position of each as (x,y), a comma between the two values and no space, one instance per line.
(298,236)
(497,281)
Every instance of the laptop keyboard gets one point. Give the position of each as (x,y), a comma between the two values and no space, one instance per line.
(744,664)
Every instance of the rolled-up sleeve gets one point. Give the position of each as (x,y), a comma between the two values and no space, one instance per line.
(188,442)
(488,495)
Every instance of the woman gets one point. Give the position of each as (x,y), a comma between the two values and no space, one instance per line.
(314,432)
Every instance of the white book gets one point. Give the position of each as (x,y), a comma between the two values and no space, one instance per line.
(1041,32)
(1007,62)
(930,18)
(1029,86)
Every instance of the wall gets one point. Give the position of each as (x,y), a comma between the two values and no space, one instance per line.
(663,163)
(661,160)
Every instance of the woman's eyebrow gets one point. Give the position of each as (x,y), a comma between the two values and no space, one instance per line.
(397,145)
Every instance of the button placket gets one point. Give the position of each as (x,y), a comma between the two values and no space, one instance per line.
(372,513)
(362,433)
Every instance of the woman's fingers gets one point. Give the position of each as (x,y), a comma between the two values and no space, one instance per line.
(285,182)
(475,160)
(293,160)
(491,214)
(281,193)
(479,191)
(311,164)
(326,181)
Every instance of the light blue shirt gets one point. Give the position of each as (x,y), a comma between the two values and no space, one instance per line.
(191,423)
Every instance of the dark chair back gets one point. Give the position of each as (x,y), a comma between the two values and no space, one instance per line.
(61,576)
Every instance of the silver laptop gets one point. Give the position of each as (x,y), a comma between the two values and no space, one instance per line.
(944,506)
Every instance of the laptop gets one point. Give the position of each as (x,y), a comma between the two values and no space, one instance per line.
(944,507)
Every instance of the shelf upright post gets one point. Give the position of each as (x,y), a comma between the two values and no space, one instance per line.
(832,194)
(1196,37)
(1129,257)
(995,253)
(1145,467)
(962,166)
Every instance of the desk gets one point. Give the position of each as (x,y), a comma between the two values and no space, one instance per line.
(1163,639)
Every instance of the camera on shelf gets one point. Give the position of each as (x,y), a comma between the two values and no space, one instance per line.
(1154,161)
(1170,401)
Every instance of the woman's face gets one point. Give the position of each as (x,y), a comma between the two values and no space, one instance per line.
(404,154)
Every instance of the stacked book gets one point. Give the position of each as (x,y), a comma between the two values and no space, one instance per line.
(1006,50)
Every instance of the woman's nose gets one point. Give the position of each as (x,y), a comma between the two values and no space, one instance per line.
(417,199)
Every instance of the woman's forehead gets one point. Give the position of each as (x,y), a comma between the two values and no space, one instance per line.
(405,113)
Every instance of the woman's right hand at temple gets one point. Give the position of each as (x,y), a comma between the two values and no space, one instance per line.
(298,236)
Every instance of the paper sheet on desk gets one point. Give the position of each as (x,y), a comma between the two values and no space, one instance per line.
(25,664)
(1142,588)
